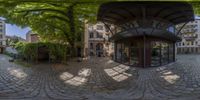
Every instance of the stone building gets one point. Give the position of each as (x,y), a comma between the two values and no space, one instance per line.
(96,40)
(32,37)
(190,38)
(2,35)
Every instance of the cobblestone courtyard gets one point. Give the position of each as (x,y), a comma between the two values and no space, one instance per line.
(101,79)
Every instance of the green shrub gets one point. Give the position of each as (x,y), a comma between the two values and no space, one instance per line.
(29,51)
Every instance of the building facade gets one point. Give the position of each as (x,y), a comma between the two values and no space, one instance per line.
(96,40)
(32,37)
(2,35)
(190,38)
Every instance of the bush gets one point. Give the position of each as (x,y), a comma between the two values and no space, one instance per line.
(30,51)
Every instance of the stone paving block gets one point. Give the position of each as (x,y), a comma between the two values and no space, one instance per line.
(80,81)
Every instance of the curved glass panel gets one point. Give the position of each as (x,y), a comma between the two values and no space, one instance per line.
(155,53)
(164,53)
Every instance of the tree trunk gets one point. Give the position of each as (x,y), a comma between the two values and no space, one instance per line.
(70,14)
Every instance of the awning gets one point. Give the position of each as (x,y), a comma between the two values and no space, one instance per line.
(122,12)
(151,18)
(147,32)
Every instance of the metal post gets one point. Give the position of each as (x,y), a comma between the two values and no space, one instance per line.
(144,38)
(129,54)
(121,53)
(160,54)
(174,51)
(168,53)
(115,51)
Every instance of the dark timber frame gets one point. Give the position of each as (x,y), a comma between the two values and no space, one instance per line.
(145,32)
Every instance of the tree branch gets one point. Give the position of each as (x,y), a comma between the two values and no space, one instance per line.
(46,9)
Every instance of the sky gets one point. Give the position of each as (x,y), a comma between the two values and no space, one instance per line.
(17,31)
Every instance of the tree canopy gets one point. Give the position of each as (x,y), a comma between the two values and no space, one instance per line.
(56,20)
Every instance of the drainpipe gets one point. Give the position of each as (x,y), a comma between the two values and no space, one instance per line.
(144,38)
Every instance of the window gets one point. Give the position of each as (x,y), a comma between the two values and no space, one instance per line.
(91,45)
(183,43)
(99,27)
(196,42)
(1,36)
(188,43)
(91,35)
(99,35)
(192,43)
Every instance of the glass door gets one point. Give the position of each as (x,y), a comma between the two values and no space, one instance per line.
(155,54)
(134,61)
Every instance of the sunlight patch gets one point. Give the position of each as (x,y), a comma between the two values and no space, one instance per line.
(118,73)
(66,76)
(78,80)
(84,72)
(167,73)
(110,61)
(171,78)
(17,73)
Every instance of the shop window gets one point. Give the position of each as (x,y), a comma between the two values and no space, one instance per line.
(155,54)
(134,57)
(164,53)
(118,52)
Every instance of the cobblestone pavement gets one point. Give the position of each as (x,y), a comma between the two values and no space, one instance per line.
(101,79)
